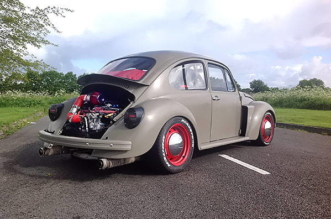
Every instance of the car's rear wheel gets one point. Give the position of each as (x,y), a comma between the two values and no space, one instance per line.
(267,130)
(173,149)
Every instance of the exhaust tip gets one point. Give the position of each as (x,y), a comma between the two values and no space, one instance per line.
(41,152)
(104,164)
(100,164)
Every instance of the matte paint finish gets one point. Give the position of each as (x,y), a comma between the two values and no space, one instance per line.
(226,115)
(161,102)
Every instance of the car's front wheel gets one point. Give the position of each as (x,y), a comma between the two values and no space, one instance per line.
(267,130)
(173,149)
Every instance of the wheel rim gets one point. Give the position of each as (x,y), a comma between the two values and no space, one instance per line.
(267,128)
(177,144)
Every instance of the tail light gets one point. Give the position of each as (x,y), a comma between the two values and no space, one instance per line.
(54,111)
(133,116)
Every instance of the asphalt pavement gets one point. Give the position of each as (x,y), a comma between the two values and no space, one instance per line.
(298,184)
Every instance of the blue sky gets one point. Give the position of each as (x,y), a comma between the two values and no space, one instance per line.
(279,42)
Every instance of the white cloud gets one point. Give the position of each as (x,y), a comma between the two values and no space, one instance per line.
(238,56)
(248,36)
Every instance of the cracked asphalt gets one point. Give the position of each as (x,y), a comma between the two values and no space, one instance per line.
(299,184)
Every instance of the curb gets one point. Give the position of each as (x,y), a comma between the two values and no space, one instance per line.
(318,130)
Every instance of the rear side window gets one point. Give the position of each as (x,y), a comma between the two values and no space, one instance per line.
(176,79)
(188,76)
(134,68)
(220,79)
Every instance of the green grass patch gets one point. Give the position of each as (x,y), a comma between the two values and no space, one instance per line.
(317,118)
(30,99)
(14,118)
(17,109)
(316,98)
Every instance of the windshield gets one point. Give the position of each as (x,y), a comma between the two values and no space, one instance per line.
(131,68)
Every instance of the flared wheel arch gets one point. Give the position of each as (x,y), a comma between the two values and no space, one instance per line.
(157,156)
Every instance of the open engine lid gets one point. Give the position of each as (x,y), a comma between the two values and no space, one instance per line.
(111,80)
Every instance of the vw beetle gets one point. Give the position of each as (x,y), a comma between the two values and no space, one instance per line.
(158,106)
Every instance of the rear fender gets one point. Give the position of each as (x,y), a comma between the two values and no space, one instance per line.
(255,113)
(156,113)
(56,126)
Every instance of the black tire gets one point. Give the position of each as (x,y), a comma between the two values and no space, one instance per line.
(265,136)
(172,158)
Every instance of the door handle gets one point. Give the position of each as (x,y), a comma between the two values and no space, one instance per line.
(215,98)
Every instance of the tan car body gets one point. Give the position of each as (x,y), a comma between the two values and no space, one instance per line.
(161,102)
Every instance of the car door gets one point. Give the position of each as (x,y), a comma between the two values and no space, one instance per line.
(226,103)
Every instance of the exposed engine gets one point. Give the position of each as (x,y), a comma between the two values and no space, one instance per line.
(90,116)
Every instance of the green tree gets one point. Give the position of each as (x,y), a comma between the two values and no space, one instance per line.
(237,85)
(51,81)
(70,83)
(314,82)
(258,86)
(32,82)
(20,27)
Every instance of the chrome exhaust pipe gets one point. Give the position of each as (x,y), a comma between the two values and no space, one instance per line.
(55,150)
(42,151)
(110,163)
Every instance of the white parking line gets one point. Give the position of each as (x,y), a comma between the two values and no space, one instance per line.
(244,164)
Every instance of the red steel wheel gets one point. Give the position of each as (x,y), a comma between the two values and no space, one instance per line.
(173,149)
(177,144)
(267,130)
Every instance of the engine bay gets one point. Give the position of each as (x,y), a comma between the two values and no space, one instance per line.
(94,112)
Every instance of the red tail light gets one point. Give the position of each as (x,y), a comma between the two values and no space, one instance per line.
(133,116)
(54,111)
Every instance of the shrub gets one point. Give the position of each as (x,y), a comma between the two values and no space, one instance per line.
(318,98)
(31,99)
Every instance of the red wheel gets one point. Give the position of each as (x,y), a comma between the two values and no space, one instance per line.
(174,146)
(178,144)
(267,130)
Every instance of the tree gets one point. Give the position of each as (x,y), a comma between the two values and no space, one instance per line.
(20,27)
(32,82)
(314,82)
(70,83)
(237,85)
(258,86)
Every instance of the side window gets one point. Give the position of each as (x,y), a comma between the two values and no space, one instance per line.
(176,79)
(216,77)
(229,82)
(188,76)
(195,76)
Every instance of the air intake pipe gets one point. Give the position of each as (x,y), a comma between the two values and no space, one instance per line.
(94,98)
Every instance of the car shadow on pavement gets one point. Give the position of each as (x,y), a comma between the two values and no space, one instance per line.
(27,161)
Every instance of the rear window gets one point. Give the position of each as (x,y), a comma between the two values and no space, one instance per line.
(130,68)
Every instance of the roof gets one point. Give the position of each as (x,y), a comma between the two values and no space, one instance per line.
(167,55)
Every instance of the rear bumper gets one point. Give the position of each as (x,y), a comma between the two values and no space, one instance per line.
(85,143)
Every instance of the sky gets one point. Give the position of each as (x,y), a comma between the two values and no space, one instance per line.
(277,41)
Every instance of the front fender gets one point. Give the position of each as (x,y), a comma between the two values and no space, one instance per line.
(156,113)
(256,111)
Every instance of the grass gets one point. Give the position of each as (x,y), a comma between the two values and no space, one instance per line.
(315,98)
(317,118)
(20,99)
(14,118)
(18,108)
